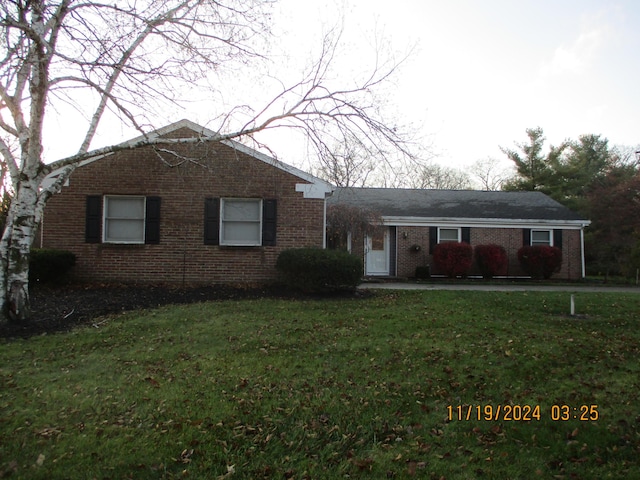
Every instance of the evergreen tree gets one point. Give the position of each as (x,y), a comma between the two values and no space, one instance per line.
(534,168)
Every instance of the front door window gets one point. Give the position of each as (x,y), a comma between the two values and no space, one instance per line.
(377,257)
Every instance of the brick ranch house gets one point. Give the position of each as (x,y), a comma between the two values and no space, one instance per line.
(220,212)
(190,213)
(415,221)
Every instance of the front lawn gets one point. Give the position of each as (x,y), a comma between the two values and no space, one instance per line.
(401,385)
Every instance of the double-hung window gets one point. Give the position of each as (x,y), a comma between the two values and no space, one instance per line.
(124,219)
(448,235)
(541,237)
(241,222)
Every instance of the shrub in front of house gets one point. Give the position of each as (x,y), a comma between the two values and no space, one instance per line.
(47,265)
(453,259)
(315,270)
(540,261)
(491,259)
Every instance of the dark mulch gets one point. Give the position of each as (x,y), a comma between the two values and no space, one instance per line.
(63,308)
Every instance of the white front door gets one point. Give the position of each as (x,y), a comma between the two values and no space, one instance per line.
(377,253)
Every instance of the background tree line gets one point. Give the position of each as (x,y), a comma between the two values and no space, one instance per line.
(598,181)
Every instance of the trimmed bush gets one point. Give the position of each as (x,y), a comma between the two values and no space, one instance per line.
(48,265)
(491,259)
(453,259)
(315,270)
(540,261)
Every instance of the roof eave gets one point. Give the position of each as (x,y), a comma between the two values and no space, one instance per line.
(406,221)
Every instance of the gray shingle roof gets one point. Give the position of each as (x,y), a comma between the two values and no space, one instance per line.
(454,204)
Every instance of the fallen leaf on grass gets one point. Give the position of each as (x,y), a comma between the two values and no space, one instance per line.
(49,432)
(40,460)
(231,469)
(185,456)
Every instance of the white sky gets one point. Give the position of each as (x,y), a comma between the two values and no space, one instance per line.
(481,72)
(485,70)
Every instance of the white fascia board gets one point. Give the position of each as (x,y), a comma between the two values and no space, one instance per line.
(312,190)
(402,221)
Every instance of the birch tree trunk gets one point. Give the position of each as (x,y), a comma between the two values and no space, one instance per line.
(22,234)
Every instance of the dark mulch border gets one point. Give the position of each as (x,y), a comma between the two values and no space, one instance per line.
(60,309)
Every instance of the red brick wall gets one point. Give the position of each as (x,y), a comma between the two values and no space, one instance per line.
(509,238)
(181,257)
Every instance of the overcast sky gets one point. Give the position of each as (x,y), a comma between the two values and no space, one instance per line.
(480,72)
(485,70)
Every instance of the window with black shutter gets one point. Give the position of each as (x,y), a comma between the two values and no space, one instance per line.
(269,222)
(212,221)
(122,219)
(557,238)
(93,221)
(152,221)
(433,239)
(466,235)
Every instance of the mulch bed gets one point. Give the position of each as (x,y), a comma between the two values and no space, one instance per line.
(60,309)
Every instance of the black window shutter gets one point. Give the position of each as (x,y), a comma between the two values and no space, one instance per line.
(211,221)
(526,237)
(269,222)
(93,222)
(433,239)
(152,221)
(557,238)
(466,235)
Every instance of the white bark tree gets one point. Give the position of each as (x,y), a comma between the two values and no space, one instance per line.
(130,55)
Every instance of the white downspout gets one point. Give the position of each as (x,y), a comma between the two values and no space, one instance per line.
(324,225)
(584,268)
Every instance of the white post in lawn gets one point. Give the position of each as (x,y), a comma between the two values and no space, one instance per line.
(573,305)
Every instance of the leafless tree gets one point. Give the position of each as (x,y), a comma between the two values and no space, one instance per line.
(126,57)
(345,220)
(347,164)
(490,173)
(437,176)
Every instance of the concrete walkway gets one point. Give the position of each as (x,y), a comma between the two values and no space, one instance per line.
(521,287)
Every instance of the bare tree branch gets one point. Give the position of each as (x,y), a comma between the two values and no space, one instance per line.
(131,58)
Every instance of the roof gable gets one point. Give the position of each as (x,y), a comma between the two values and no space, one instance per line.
(314,188)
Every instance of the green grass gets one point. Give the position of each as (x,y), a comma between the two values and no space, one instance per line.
(329,389)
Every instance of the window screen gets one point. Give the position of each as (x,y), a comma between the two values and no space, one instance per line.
(241,222)
(124,219)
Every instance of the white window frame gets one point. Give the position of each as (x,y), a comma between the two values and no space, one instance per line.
(224,221)
(458,229)
(106,219)
(548,242)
